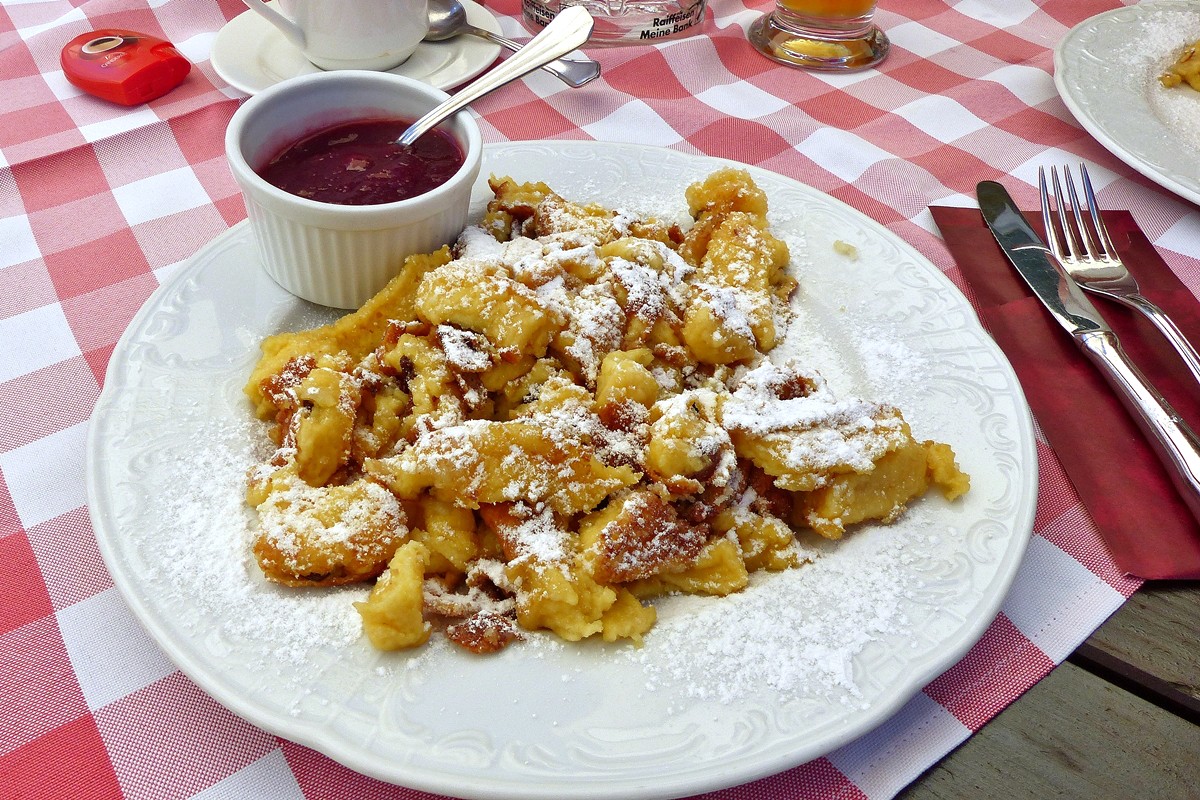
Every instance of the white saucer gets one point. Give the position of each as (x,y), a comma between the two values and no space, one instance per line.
(251,54)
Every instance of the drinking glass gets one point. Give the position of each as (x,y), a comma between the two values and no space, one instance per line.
(624,21)
(821,34)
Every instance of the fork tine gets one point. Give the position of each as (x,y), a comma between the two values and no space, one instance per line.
(1068,234)
(1101,229)
(1047,218)
(1086,240)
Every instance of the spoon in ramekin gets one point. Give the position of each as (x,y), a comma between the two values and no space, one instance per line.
(569,29)
(448,18)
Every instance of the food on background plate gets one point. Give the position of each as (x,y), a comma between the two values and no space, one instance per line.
(1185,69)
(568,414)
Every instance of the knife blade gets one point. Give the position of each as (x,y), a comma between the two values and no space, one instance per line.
(1172,440)
(1036,263)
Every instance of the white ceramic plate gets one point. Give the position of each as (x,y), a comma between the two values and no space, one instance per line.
(724,690)
(250,54)
(1106,68)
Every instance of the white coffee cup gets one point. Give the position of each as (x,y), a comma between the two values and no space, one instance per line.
(351,34)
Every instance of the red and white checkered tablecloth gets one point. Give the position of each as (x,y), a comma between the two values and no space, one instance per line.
(99,202)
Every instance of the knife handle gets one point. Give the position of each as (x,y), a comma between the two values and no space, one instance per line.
(1172,440)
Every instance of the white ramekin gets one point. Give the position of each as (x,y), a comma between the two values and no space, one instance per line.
(341,255)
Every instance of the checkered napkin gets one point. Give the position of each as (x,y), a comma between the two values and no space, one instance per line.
(99,203)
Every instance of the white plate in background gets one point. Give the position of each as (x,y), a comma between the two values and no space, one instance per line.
(1106,69)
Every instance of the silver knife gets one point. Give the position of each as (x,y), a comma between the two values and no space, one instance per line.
(1175,444)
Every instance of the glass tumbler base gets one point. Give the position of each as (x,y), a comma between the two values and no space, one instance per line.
(812,50)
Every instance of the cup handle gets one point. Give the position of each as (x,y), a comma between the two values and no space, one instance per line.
(289,29)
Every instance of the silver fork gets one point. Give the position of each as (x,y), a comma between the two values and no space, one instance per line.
(1092,260)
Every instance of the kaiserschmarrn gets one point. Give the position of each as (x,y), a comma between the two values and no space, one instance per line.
(567,414)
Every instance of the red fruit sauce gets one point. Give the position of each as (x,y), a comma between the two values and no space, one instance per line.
(359,163)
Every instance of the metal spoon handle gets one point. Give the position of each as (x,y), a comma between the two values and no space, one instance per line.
(569,29)
(573,72)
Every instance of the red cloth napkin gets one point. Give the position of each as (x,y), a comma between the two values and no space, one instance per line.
(1148,529)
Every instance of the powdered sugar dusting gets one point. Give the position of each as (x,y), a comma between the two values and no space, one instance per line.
(466,351)
(891,364)
(795,631)
(205,563)
(537,537)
